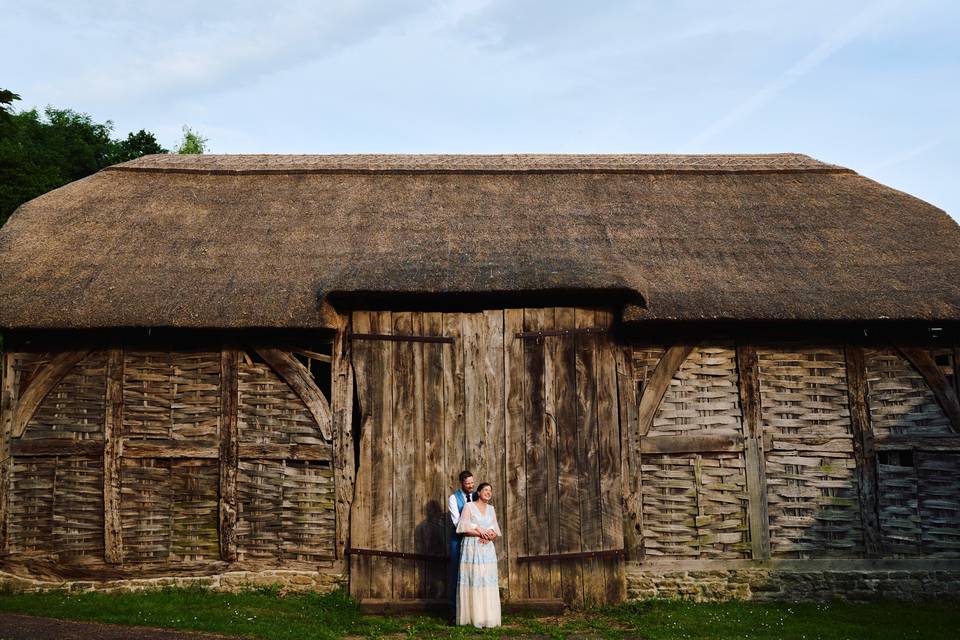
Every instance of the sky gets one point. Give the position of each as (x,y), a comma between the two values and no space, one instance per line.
(871,85)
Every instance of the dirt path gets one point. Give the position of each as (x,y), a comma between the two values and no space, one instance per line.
(17,627)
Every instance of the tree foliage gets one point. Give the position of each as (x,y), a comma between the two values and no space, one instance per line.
(40,152)
(192,142)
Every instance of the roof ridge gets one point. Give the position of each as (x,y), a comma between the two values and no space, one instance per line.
(466,163)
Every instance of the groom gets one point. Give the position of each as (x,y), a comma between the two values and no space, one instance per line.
(455,505)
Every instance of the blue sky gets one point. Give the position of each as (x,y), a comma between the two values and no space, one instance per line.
(874,86)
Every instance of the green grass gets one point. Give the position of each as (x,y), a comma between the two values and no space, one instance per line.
(266,613)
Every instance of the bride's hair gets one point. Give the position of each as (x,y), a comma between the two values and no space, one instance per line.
(482,486)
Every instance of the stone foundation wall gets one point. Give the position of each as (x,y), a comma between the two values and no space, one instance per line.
(231,581)
(792,584)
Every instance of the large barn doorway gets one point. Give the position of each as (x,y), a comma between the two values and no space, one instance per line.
(524,398)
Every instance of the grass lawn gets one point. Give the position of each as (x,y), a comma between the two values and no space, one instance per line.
(265,613)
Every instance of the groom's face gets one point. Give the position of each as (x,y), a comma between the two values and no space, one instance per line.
(468,484)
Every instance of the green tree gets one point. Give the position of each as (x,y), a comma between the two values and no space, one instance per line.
(42,152)
(192,142)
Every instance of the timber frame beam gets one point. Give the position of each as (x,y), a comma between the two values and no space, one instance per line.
(659,382)
(945,394)
(300,380)
(43,384)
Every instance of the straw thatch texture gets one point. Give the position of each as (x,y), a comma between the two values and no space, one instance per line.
(261,241)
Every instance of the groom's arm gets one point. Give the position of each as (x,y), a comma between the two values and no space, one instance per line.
(452,508)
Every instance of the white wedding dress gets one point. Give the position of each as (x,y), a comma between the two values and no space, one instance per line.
(478,592)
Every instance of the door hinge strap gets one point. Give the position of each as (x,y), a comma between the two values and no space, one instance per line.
(400,338)
(397,554)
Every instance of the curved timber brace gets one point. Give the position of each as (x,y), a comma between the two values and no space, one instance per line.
(946,397)
(298,377)
(42,385)
(658,384)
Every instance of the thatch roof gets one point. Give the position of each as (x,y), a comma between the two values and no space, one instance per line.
(261,241)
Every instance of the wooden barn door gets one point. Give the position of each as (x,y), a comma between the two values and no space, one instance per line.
(565,515)
(526,399)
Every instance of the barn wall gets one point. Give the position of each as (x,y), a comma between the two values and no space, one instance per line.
(854,488)
(143,462)
(760,470)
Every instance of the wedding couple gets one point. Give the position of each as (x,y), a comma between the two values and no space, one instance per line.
(473,583)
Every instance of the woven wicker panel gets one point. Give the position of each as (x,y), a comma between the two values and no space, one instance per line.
(286,511)
(939,497)
(645,359)
(171,395)
(703,397)
(695,506)
(56,506)
(74,409)
(898,504)
(811,473)
(25,366)
(944,359)
(169,510)
(270,412)
(901,403)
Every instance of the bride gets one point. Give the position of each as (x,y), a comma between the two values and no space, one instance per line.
(478,592)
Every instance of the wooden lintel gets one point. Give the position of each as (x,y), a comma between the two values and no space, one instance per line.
(691,444)
(301,381)
(389,337)
(56,447)
(658,384)
(920,443)
(44,382)
(864,451)
(942,390)
(170,449)
(229,451)
(313,452)
(112,448)
(748,374)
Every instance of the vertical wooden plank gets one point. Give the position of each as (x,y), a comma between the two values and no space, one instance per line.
(630,461)
(748,373)
(539,533)
(515,538)
(591,519)
(361,512)
(7,406)
(494,404)
(863,450)
(112,458)
(454,428)
(404,473)
(341,383)
(434,534)
(563,357)
(475,414)
(608,425)
(229,447)
(382,447)
(418,509)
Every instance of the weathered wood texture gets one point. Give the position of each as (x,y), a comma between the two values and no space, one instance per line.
(695,505)
(919,490)
(132,457)
(811,471)
(864,454)
(748,370)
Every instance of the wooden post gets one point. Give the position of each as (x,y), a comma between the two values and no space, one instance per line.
(630,456)
(6,425)
(515,542)
(344,471)
(749,375)
(229,451)
(863,450)
(112,458)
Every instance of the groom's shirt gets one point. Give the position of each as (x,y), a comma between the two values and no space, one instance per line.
(453,505)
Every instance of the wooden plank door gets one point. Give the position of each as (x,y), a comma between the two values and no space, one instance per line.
(398,520)
(565,513)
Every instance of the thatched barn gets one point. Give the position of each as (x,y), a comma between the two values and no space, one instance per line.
(685,376)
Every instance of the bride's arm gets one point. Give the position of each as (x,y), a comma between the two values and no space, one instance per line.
(466,525)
